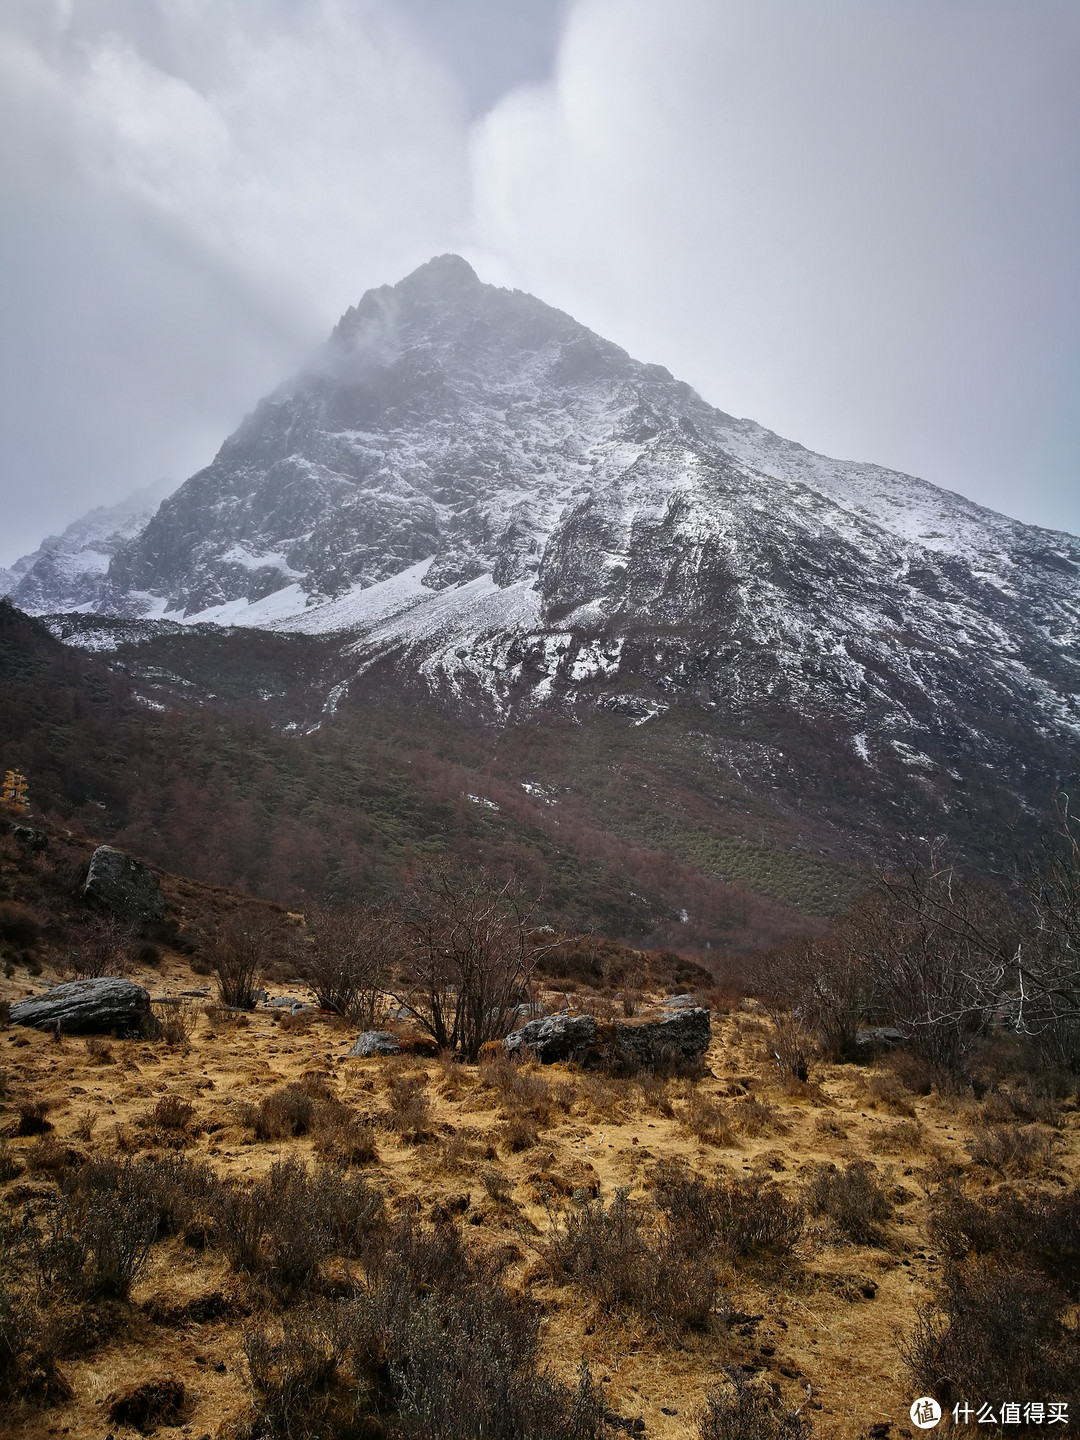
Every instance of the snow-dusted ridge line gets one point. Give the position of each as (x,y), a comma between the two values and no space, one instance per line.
(477,494)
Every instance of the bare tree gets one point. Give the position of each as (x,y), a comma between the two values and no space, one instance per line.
(104,947)
(936,948)
(466,957)
(345,959)
(1045,980)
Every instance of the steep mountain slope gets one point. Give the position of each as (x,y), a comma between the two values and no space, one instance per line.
(502,515)
(176,752)
(68,571)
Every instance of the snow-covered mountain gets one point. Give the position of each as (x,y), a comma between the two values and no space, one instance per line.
(508,510)
(67,572)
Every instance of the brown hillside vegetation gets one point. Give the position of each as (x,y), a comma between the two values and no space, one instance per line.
(192,777)
(663,1229)
(238,1230)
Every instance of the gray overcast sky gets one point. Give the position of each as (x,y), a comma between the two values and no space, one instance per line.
(857,221)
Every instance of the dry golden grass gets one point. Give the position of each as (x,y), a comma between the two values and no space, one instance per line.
(502,1150)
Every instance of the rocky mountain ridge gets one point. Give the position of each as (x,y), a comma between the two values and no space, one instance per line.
(68,572)
(493,506)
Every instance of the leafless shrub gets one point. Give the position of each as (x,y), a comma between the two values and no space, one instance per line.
(466,953)
(32,1119)
(1023,1230)
(172,1112)
(178,1018)
(790,1046)
(1021,1104)
(758,1117)
(1011,1150)
(707,1120)
(742,1409)
(656,1095)
(853,1199)
(99,1050)
(905,1135)
(104,948)
(409,1110)
(346,960)
(888,1091)
(238,955)
(735,1217)
(464,1149)
(95,1241)
(434,1340)
(348,1141)
(995,1332)
(518,1133)
(611,1253)
(48,1157)
(84,1127)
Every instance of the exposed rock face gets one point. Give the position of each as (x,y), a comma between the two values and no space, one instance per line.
(123,886)
(374,1042)
(682,1036)
(555,1037)
(107,1005)
(68,571)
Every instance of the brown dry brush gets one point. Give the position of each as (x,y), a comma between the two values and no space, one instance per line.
(743,1409)
(662,1261)
(997,1332)
(432,1346)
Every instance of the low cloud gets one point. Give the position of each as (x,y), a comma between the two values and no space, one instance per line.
(855,223)
(193,193)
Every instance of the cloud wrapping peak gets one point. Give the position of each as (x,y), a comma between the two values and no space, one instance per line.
(856,223)
(198,195)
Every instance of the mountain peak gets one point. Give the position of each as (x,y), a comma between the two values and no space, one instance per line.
(440,275)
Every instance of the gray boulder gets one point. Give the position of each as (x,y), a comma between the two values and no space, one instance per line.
(123,886)
(374,1042)
(31,838)
(678,1002)
(106,1005)
(554,1037)
(684,1035)
(880,1037)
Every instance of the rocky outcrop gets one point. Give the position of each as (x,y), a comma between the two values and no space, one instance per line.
(373,1042)
(683,1036)
(555,1037)
(107,1005)
(123,886)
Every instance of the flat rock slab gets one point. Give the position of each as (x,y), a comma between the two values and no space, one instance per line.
(123,886)
(374,1042)
(107,1005)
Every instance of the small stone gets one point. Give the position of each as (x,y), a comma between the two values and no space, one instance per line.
(373,1042)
